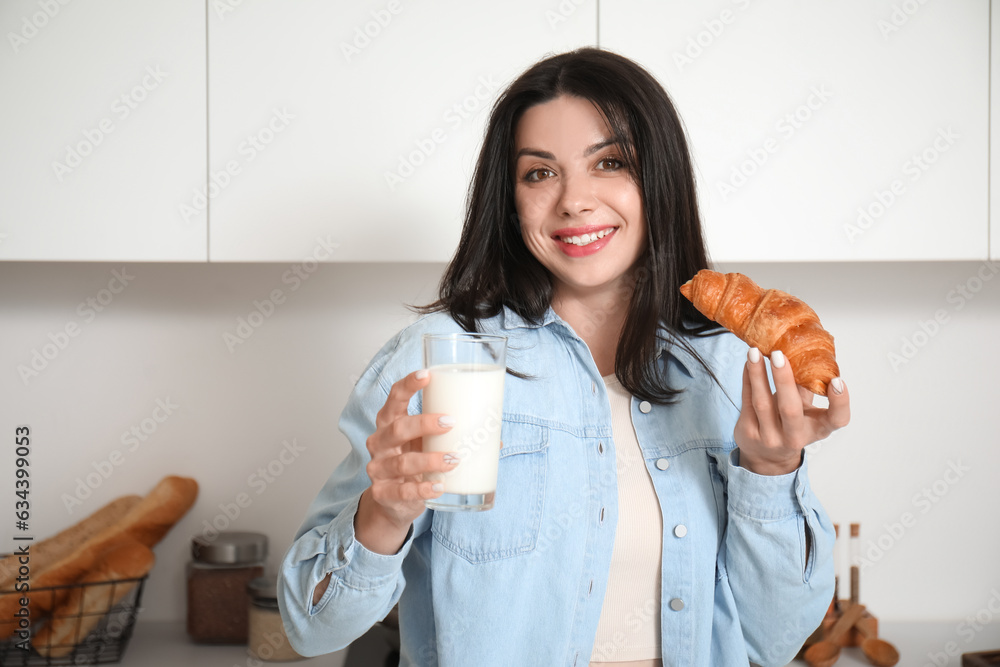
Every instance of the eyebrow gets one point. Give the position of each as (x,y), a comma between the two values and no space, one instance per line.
(600,146)
(545,155)
(534,152)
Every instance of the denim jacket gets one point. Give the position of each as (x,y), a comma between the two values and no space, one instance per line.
(522,584)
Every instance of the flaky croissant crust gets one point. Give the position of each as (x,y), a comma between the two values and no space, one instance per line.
(768,320)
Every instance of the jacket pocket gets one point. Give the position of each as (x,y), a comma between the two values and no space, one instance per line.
(511,527)
(719,490)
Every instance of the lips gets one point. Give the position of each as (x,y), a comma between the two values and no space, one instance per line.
(578,234)
(580,241)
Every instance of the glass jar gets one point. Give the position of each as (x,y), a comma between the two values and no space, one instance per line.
(268,641)
(217,578)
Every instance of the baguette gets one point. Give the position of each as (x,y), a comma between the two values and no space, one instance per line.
(157,513)
(147,522)
(57,547)
(85,606)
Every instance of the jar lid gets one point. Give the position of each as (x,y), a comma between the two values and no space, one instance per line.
(263,589)
(230,548)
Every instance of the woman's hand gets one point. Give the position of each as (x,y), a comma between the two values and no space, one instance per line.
(773,429)
(396,497)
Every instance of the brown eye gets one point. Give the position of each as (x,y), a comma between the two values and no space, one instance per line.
(610,164)
(536,175)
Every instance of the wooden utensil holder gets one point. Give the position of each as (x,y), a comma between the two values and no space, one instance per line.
(852,637)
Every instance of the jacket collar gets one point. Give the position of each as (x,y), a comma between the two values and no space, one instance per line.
(512,320)
(667,342)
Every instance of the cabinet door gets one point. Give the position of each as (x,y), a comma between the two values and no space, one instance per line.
(841,130)
(104,130)
(348,131)
(995,136)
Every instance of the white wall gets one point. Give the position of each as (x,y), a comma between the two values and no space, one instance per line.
(162,338)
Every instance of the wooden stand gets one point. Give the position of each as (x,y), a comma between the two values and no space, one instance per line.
(981,659)
(852,637)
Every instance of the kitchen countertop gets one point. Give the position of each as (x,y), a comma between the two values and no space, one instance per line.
(927,643)
(923,644)
(166,644)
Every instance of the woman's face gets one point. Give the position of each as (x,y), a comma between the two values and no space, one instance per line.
(572,187)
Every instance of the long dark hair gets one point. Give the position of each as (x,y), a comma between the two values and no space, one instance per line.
(493,268)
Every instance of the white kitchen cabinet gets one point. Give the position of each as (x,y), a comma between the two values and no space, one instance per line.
(348,131)
(104,130)
(850,130)
(995,136)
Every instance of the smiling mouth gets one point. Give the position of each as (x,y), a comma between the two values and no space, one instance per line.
(586,239)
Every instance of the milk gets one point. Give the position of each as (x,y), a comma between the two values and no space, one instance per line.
(473,395)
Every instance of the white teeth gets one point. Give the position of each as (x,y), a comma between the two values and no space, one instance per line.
(587,239)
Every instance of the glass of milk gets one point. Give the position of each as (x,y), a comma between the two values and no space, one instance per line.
(466,382)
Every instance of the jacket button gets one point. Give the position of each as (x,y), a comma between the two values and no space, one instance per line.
(645,407)
(600,447)
(662,464)
(593,388)
(680,530)
(677,604)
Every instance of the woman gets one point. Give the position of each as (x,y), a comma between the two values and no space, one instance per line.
(644,515)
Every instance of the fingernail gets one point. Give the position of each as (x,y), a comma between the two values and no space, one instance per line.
(438,487)
(753,355)
(777,359)
(446,421)
(422,373)
(838,386)
(450,459)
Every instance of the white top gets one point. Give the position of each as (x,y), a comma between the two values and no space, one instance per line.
(629,629)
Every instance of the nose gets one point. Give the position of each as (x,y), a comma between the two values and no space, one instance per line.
(576,196)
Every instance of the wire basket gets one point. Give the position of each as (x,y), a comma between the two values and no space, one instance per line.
(112,624)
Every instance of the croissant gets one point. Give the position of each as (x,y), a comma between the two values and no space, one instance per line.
(768,320)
